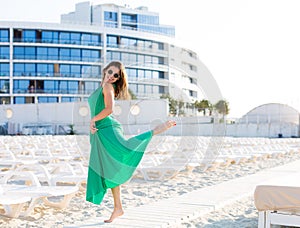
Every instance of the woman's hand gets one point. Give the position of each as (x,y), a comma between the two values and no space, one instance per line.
(93,128)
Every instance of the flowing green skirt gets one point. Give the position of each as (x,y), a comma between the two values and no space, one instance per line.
(113,158)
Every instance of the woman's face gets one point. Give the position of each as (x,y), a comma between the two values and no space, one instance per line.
(112,74)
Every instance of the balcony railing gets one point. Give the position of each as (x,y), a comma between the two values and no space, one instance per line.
(61,75)
(137,48)
(49,41)
(56,58)
(52,91)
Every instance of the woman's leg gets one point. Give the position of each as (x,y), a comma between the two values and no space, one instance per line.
(118,209)
(163,127)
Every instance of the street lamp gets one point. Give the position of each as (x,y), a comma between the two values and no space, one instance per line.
(9,115)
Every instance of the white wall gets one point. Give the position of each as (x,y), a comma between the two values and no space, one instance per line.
(151,113)
(78,114)
(262,130)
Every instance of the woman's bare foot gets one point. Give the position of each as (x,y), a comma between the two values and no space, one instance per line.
(163,127)
(115,214)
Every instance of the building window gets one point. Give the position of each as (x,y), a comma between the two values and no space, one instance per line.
(68,99)
(21,86)
(4,52)
(18,35)
(24,69)
(161,89)
(146,19)
(47,99)
(25,52)
(73,87)
(149,89)
(26,35)
(64,38)
(4,100)
(90,55)
(50,37)
(90,39)
(43,69)
(129,18)
(29,36)
(141,88)
(110,16)
(75,71)
(4,35)
(90,71)
(4,86)
(75,55)
(89,87)
(65,70)
(64,54)
(52,53)
(75,38)
(112,55)
(161,75)
(155,75)
(19,100)
(4,69)
(193,68)
(112,41)
(49,86)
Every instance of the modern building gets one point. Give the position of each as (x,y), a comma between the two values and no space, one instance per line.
(62,62)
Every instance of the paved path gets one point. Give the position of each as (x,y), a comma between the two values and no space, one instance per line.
(173,211)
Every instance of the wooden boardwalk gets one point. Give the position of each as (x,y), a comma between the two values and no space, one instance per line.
(173,211)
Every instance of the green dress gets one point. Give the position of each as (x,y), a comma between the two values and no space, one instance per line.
(113,158)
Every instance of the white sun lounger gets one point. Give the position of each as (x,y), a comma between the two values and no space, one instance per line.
(35,191)
(56,173)
(278,202)
(12,204)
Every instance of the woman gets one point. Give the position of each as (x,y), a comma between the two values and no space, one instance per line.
(113,158)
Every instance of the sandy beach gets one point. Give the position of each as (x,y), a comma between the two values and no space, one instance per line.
(140,192)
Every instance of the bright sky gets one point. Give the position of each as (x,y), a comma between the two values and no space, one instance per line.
(251,47)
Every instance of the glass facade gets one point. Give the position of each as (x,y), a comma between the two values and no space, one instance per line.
(4,35)
(147,19)
(4,86)
(134,59)
(4,52)
(42,65)
(49,66)
(146,23)
(110,19)
(56,37)
(4,69)
(123,42)
(52,53)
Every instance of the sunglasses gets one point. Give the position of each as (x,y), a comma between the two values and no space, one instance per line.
(115,74)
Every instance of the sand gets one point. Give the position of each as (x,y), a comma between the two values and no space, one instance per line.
(140,192)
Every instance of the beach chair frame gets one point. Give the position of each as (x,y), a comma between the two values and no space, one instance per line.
(268,218)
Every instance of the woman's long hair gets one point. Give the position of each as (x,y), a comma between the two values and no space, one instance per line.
(121,85)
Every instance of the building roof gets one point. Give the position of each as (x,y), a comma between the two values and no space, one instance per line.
(271,113)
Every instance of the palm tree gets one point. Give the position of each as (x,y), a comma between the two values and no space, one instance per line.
(203,105)
(222,107)
(175,106)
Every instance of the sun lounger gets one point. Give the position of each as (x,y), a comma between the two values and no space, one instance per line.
(159,167)
(58,173)
(36,191)
(12,204)
(278,202)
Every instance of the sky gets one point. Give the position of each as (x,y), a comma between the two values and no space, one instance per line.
(251,47)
